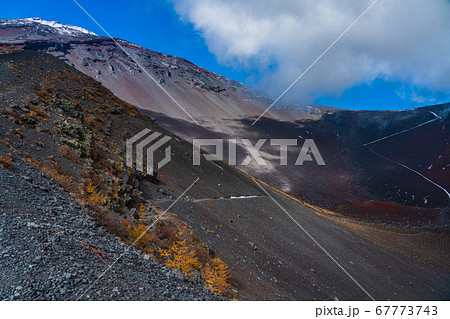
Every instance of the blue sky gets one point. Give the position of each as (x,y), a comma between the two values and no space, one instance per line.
(156,25)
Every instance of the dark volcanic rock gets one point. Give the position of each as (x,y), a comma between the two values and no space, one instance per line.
(47,245)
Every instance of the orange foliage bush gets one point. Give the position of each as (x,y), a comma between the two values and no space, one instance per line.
(216,276)
(5,141)
(36,111)
(95,196)
(54,171)
(139,236)
(6,161)
(45,93)
(181,255)
(90,120)
(69,153)
(12,66)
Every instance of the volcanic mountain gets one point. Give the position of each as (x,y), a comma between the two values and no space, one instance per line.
(59,124)
(373,159)
(71,127)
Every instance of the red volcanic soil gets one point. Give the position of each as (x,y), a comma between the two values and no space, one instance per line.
(385,212)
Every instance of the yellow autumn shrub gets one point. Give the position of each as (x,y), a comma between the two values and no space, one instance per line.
(181,255)
(139,236)
(95,196)
(216,276)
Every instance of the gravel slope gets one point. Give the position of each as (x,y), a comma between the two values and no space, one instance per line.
(44,235)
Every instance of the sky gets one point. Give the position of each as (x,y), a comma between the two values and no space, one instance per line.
(394,57)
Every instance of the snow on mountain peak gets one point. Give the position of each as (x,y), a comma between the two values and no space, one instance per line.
(63,29)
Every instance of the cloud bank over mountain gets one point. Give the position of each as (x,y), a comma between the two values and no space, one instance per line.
(397,40)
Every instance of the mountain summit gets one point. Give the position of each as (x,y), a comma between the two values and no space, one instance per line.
(30,29)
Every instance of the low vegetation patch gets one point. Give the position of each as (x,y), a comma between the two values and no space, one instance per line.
(217,276)
(69,153)
(140,236)
(95,195)
(36,111)
(54,171)
(6,161)
(181,255)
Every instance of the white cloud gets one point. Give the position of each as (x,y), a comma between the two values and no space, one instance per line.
(403,40)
